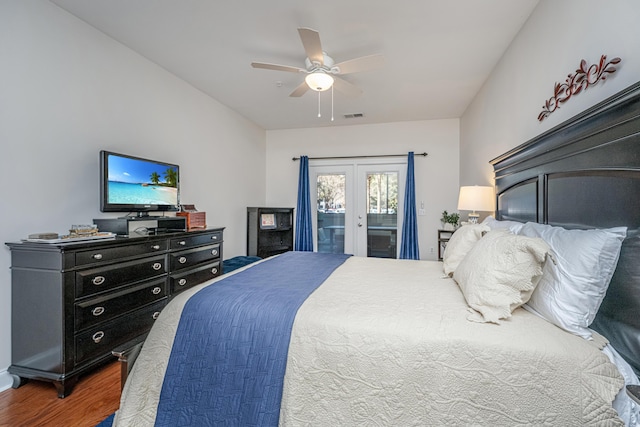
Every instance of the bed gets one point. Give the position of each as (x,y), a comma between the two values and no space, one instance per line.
(323,339)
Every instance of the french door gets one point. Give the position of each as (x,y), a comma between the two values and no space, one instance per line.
(358,207)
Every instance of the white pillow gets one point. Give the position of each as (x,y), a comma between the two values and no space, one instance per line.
(461,241)
(575,281)
(499,273)
(494,224)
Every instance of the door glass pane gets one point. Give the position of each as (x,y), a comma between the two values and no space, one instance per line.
(331,205)
(382,214)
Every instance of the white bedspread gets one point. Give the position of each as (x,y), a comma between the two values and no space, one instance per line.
(387,342)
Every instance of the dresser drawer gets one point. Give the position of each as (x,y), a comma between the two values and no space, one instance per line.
(121,252)
(180,282)
(197,240)
(95,280)
(102,309)
(101,339)
(184,259)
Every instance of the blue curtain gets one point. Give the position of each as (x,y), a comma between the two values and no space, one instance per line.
(304,227)
(409,248)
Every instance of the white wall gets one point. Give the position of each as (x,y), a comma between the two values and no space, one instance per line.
(436,175)
(557,36)
(66,92)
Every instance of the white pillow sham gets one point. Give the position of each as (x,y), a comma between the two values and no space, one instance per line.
(461,241)
(500,273)
(574,283)
(494,224)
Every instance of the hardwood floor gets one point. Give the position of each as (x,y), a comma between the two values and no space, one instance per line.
(96,396)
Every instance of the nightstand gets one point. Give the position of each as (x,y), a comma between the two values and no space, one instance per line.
(443,239)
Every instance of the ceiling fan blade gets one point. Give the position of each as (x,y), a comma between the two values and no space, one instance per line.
(312,46)
(300,90)
(360,64)
(346,87)
(277,67)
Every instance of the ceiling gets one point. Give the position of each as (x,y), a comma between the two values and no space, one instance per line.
(437,53)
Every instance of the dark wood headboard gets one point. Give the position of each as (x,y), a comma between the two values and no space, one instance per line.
(585,173)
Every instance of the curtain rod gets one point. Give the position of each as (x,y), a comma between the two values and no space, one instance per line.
(361,157)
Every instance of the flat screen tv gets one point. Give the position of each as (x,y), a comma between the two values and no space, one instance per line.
(137,185)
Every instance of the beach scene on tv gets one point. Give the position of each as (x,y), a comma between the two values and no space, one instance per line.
(134,181)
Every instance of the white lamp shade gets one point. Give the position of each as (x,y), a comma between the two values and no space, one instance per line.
(319,81)
(476,198)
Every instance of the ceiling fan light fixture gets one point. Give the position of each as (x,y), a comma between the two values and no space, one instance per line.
(319,81)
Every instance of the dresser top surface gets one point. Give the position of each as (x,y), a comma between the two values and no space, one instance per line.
(116,240)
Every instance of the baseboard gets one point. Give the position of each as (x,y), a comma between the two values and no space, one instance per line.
(6,381)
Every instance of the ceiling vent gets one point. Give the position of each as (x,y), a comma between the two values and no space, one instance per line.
(354,116)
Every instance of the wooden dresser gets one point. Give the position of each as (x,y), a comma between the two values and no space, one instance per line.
(72,303)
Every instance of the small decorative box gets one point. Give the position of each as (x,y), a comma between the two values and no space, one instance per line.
(194,219)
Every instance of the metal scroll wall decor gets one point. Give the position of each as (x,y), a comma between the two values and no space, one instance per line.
(577,82)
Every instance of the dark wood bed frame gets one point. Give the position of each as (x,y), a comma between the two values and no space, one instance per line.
(585,173)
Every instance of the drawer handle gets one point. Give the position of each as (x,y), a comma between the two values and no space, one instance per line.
(156,315)
(214,270)
(156,290)
(182,260)
(214,252)
(182,243)
(214,237)
(97,337)
(182,282)
(156,266)
(96,256)
(97,311)
(155,247)
(98,280)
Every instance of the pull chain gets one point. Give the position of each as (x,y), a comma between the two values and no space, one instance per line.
(319,109)
(331,102)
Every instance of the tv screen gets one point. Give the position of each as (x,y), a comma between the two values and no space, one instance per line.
(135,184)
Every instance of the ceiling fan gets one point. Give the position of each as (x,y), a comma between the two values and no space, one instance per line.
(321,69)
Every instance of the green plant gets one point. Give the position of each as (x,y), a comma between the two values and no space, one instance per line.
(452,218)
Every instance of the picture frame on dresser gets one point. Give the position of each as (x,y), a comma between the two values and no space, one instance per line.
(267,221)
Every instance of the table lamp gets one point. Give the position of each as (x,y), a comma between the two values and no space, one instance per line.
(475,198)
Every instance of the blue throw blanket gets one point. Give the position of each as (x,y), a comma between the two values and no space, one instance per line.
(229,356)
